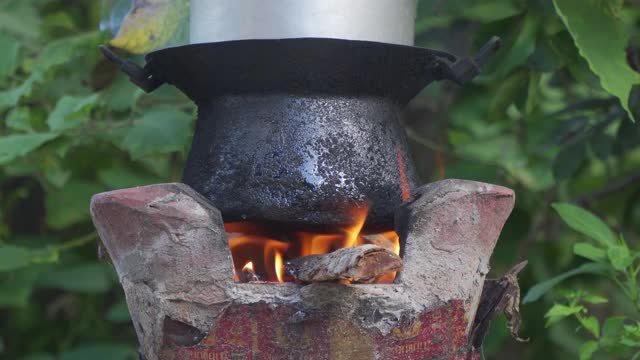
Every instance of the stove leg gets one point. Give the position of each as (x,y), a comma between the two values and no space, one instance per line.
(169,248)
(450,229)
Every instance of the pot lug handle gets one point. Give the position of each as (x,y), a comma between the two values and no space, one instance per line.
(137,74)
(464,70)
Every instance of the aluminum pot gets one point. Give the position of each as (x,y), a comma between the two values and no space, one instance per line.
(389,21)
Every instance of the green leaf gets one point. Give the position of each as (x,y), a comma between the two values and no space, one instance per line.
(122,177)
(20,18)
(9,48)
(588,349)
(612,328)
(44,256)
(122,95)
(88,278)
(70,204)
(553,52)
(614,6)
(590,252)
(538,290)
(559,312)
(569,160)
(523,47)
(71,112)
(601,39)
(619,257)
(63,50)
(101,352)
(601,143)
(55,174)
(630,343)
(19,118)
(14,257)
(119,313)
(59,20)
(38,356)
(594,299)
(16,287)
(591,324)
(14,146)
(568,130)
(586,223)
(55,53)
(507,92)
(633,329)
(627,137)
(10,98)
(488,11)
(533,93)
(161,130)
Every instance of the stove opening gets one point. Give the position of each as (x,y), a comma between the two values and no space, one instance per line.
(260,250)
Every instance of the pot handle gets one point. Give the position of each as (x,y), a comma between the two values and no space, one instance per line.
(137,74)
(463,70)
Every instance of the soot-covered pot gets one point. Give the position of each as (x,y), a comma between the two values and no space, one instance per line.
(300,130)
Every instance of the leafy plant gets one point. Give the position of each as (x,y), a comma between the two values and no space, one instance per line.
(71,127)
(550,117)
(611,256)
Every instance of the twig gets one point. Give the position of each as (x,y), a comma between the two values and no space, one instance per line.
(539,220)
(585,105)
(77,242)
(610,189)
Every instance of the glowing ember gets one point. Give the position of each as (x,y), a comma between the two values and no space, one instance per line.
(255,250)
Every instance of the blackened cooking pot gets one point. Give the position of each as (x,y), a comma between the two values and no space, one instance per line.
(301,130)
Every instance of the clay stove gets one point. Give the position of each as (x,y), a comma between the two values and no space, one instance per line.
(170,250)
(301,230)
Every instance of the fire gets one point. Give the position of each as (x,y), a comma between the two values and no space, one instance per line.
(352,233)
(279,267)
(261,250)
(248,266)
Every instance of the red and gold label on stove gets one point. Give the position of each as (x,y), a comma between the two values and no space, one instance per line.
(263,332)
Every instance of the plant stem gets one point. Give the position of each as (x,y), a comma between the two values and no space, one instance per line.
(433,146)
(77,242)
(622,287)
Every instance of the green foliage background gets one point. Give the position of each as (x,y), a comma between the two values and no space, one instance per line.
(550,118)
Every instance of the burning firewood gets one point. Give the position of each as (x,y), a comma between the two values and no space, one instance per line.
(360,264)
(247,274)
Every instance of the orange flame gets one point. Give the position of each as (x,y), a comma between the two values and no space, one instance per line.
(353,232)
(248,266)
(257,250)
(279,267)
(255,246)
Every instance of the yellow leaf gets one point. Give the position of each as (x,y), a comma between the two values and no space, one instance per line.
(150,25)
